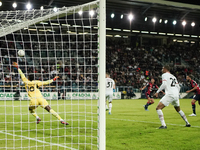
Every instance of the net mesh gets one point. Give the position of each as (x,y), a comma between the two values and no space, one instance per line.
(60,43)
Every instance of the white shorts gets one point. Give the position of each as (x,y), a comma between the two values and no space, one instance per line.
(109,97)
(168,99)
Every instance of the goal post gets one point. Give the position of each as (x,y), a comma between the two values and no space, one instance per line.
(69,42)
(102,72)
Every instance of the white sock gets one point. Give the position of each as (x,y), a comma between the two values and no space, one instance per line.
(110,107)
(161,117)
(183,116)
(37,117)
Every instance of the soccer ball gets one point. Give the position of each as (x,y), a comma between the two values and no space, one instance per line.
(21,53)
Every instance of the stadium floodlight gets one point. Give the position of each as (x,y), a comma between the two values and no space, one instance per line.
(174,22)
(112,15)
(192,24)
(166,21)
(145,19)
(184,23)
(80,12)
(122,16)
(91,13)
(130,17)
(42,7)
(0,3)
(28,6)
(154,19)
(160,21)
(55,9)
(14,5)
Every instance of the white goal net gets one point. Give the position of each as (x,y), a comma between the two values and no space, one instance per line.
(59,42)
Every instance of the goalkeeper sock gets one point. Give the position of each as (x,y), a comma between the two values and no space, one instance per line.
(55,114)
(161,117)
(110,107)
(183,116)
(34,114)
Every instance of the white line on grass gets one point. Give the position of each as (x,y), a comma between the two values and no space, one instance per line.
(152,122)
(40,141)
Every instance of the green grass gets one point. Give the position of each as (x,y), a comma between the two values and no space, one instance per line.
(128,128)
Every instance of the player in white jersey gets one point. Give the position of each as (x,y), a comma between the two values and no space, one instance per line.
(172,88)
(110,85)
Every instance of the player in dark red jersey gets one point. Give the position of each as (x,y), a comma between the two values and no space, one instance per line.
(194,88)
(149,93)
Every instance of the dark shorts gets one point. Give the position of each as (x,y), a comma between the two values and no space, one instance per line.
(148,95)
(196,97)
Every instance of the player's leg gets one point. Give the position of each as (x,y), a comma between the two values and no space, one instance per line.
(106,102)
(151,101)
(163,103)
(110,104)
(193,105)
(148,102)
(33,105)
(159,108)
(55,114)
(182,114)
(44,104)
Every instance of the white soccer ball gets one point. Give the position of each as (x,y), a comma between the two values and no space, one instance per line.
(21,53)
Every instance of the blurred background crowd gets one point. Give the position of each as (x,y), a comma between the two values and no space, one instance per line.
(131,67)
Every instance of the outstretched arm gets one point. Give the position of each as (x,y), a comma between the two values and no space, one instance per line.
(192,89)
(143,87)
(24,79)
(48,81)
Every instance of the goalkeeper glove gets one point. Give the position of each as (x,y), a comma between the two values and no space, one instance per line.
(55,78)
(15,65)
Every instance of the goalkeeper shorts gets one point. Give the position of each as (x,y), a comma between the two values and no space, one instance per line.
(38,102)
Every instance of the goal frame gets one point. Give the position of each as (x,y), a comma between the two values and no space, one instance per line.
(102,72)
(101,142)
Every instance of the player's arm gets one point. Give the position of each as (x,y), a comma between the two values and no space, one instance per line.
(158,88)
(192,89)
(114,86)
(162,87)
(178,87)
(48,81)
(24,79)
(143,87)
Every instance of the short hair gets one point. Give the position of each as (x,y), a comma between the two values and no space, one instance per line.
(190,75)
(31,77)
(167,68)
(108,73)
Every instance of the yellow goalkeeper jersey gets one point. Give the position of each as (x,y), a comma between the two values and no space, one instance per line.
(32,86)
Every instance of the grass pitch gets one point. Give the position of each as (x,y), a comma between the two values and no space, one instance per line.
(129,127)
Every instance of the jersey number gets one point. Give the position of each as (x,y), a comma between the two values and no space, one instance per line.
(31,89)
(173,82)
(109,85)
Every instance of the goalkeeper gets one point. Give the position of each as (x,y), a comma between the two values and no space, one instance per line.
(35,95)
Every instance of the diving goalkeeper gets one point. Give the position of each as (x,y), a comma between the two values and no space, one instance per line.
(36,98)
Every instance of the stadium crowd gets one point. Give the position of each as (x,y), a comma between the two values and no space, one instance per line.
(77,68)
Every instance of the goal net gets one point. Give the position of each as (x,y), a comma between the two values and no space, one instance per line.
(57,42)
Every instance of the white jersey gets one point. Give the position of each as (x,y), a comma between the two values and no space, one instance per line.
(169,84)
(109,85)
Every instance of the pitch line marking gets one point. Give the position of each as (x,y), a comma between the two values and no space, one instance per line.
(152,122)
(40,141)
